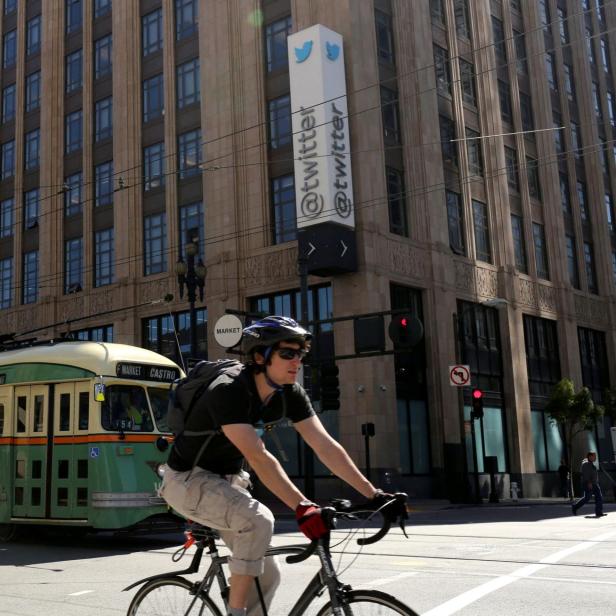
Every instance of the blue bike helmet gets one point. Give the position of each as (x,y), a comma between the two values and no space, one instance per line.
(269,331)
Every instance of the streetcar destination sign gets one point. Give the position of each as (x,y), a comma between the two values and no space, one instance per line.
(146,372)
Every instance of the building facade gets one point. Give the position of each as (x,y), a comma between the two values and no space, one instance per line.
(482,140)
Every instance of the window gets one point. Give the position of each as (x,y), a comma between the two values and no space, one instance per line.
(389,111)
(563,25)
(153,98)
(590,46)
(186,18)
(614,267)
(33,91)
(596,99)
(532,171)
(559,139)
(541,252)
(73,195)
(384,37)
(8,160)
(542,357)
(10,6)
(103,184)
(498,34)
(152,32)
(467,82)
(31,208)
(103,119)
(6,282)
(280,130)
(569,84)
(73,135)
(519,245)
(482,233)
(73,265)
(8,103)
(550,68)
(526,111)
(605,54)
(96,334)
(473,150)
(504,98)
(572,264)
(520,52)
(396,202)
(103,53)
(609,211)
(544,15)
(511,162)
(101,7)
(583,200)
(593,357)
(565,196)
(72,15)
(283,209)
(188,89)
(6,217)
(33,35)
(576,140)
(30,277)
(103,257)
(73,71)
(448,143)
(153,164)
(589,263)
(189,153)
(455,222)
(155,242)
(9,48)
(442,70)
(611,107)
(191,218)
(437,12)
(32,149)
(276,34)
(460,8)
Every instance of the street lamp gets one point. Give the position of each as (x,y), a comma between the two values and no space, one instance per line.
(192,277)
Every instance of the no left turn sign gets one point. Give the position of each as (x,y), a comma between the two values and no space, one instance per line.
(459,375)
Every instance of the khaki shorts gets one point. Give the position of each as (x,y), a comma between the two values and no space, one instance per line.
(223,503)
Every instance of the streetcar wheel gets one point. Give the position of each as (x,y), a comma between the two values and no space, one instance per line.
(8,532)
(171,596)
(371,603)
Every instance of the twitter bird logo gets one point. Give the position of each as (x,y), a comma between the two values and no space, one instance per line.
(333,51)
(302,54)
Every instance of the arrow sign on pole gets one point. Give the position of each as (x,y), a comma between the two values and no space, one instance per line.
(312,248)
(344,248)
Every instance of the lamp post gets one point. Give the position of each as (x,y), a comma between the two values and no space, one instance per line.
(191,276)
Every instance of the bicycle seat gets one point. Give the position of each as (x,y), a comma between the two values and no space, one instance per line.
(200,531)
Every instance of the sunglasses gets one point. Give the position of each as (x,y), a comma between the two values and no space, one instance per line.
(290,354)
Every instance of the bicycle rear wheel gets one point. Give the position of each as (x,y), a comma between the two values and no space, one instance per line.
(171,597)
(371,603)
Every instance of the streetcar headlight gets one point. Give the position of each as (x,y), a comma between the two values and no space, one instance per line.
(160,470)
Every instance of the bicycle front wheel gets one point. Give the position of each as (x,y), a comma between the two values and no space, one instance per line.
(370,603)
(171,597)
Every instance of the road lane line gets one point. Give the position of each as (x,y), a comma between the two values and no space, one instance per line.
(388,580)
(81,592)
(470,596)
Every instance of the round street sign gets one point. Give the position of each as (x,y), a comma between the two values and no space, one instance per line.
(228,330)
(459,375)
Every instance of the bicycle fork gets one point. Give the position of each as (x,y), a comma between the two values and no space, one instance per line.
(337,591)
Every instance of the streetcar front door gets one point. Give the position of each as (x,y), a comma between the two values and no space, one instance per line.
(69,460)
(30,450)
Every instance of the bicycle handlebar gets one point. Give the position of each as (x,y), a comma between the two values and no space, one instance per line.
(392,511)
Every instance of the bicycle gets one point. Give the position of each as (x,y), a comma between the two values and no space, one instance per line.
(173,595)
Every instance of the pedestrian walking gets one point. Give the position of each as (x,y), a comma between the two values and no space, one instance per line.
(590,485)
(565,481)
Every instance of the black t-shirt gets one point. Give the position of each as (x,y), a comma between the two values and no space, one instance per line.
(232,399)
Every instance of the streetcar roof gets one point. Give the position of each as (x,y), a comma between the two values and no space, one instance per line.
(97,358)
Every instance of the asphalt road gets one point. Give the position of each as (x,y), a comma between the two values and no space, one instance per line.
(508,560)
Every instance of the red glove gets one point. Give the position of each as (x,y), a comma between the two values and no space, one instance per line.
(309,520)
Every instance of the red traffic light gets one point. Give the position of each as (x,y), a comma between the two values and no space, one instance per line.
(403,322)
(477,394)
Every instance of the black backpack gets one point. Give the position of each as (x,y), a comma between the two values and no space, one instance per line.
(186,392)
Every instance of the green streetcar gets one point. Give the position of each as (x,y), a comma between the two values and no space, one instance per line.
(82,434)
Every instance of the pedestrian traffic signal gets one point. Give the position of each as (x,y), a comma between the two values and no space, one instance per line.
(477,412)
(329,387)
(405,330)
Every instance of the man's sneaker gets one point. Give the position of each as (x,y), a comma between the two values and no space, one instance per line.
(600,515)
(573,510)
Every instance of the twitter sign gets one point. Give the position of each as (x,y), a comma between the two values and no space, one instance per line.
(321,141)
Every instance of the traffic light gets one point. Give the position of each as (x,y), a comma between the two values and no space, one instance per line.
(477,412)
(405,330)
(330,387)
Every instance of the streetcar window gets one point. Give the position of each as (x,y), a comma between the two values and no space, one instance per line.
(126,409)
(21,413)
(84,410)
(65,412)
(159,400)
(1,418)
(37,421)
(37,469)
(82,469)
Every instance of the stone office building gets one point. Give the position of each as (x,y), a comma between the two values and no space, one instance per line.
(481,135)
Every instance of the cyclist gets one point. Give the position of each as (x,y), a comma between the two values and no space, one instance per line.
(214,493)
